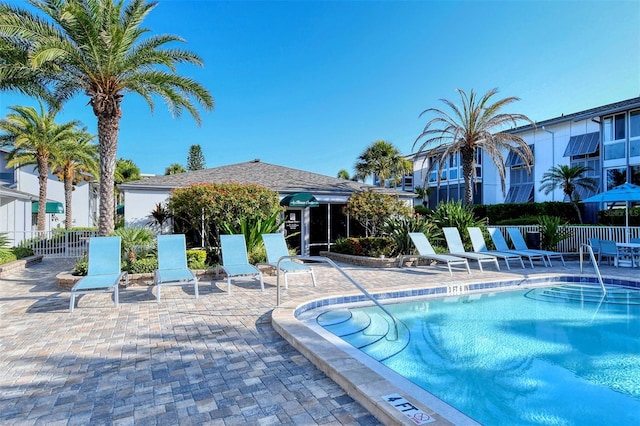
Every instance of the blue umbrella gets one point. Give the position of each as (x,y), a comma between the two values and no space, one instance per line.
(627,192)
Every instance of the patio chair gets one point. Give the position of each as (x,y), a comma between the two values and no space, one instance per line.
(104,274)
(172,264)
(520,244)
(276,248)
(501,245)
(456,248)
(426,251)
(609,249)
(480,246)
(594,243)
(235,261)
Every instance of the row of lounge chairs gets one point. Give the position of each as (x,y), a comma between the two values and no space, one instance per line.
(459,256)
(104,273)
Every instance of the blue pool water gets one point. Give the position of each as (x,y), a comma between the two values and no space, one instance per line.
(521,357)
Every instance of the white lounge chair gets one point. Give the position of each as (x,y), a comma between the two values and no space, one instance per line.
(520,244)
(172,264)
(456,248)
(235,261)
(480,246)
(276,248)
(501,245)
(104,274)
(426,251)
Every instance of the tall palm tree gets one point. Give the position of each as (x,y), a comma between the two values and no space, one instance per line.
(96,47)
(34,137)
(382,160)
(478,123)
(568,178)
(75,161)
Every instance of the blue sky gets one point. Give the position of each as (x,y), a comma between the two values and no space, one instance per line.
(310,84)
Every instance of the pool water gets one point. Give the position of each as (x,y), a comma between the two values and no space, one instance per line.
(521,357)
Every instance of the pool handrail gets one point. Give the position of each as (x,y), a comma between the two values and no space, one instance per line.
(595,265)
(347,276)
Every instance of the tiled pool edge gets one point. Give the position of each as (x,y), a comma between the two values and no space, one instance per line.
(359,381)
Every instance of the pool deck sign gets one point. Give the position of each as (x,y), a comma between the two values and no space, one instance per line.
(412,412)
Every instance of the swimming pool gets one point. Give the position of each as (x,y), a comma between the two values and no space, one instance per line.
(519,357)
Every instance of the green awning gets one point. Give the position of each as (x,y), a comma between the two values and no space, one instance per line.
(300,199)
(51,207)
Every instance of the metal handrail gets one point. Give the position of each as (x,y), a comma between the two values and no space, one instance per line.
(347,276)
(595,265)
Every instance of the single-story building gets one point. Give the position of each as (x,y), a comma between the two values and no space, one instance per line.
(318,219)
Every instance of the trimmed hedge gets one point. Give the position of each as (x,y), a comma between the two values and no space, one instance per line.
(499,214)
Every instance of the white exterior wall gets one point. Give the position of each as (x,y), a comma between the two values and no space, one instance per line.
(140,203)
(15,215)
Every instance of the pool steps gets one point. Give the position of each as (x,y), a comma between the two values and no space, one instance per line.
(368,332)
(588,294)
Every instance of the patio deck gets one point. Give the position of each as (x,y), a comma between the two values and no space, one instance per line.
(214,360)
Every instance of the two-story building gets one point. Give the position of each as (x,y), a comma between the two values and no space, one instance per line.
(606,139)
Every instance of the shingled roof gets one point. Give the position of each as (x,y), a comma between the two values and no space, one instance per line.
(277,178)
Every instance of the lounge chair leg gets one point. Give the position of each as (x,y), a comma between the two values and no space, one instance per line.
(195,288)
(229,285)
(115,295)
(72,302)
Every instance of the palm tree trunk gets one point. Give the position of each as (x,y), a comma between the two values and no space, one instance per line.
(43,174)
(467,171)
(68,188)
(108,128)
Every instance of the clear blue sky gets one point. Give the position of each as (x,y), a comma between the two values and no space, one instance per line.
(310,84)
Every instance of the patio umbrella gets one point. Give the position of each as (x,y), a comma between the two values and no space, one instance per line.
(627,192)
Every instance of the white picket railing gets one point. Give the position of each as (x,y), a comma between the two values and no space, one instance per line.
(58,243)
(581,235)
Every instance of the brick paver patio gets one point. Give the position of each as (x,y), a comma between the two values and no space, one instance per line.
(214,360)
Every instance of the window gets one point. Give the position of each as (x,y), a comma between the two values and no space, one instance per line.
(634,134)
(614,137)
(615,177)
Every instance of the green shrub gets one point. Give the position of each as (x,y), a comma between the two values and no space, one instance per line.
(369,246)
(197,259)
(6,256)
(553,230)
(82,266)
(22,252)
(455,214)
(524,220)
(4,240)
(398,229)
(142,266)
(257,254)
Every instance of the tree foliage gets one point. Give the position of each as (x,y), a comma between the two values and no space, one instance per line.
(174,169)
(34,138)
(100,49)
(478,123)
(371,209)
(384,161)
(208,206)
(568,178)
(195,159)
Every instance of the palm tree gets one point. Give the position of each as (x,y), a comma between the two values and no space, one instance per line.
(343,174)
(382,160)
(568,178)
(475,124)
(75,161)
(96,47)
(174,169)
(35,137)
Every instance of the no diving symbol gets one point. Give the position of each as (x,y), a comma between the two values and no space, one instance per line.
(421,418)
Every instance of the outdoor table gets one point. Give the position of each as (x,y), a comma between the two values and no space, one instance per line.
(632,249)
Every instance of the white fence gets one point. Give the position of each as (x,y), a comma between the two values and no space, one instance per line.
(581,234)
(58,243)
